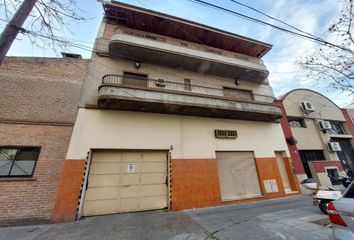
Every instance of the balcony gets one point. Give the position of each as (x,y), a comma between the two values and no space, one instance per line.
(157,49)
(161,96)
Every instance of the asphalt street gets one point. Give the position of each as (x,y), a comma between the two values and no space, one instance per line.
(290,218)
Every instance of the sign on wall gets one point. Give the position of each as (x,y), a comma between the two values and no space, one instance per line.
(131,168)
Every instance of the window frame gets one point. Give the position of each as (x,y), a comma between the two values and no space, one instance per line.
(340,125)
(17,148)
(300,120)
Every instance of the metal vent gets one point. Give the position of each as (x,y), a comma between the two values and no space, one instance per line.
(232,134)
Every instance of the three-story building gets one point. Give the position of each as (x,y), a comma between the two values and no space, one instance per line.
(174,114)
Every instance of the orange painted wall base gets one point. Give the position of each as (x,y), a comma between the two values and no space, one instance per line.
(68,191)
(195,182)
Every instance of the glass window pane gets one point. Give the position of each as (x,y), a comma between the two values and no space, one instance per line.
(337,128)
(7,153)
(5,166)
(22,168)
(28,154)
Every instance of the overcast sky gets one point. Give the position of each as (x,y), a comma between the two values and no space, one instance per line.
(314,16)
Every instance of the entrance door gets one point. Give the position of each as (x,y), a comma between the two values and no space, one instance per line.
(238,175)
(283,172)
(125,182)
(310,155)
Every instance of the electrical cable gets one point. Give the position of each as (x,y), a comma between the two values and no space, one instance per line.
(273,18)
(314,39)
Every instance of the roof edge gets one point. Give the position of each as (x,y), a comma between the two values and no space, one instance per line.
(282,97)
(149,11)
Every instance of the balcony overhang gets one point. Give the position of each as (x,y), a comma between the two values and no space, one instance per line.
(163,24)
(143,100)
(154,52)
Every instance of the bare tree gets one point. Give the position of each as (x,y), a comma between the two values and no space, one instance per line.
(335,64)
(48,22)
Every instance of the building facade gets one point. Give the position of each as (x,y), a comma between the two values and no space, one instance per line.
(38,106)
(173,114)
(319,136)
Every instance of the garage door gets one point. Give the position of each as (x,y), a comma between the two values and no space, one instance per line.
(125,182)
(238,175)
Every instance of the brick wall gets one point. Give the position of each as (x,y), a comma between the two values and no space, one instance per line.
(320,165)
(33,200)
(40,89)
(349,116)
(38,106)
(294,153)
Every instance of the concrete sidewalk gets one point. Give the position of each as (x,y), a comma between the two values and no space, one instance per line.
(289,218)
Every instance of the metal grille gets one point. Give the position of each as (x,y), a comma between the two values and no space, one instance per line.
(232,134)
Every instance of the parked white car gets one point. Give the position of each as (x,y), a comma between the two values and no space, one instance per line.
(341,214)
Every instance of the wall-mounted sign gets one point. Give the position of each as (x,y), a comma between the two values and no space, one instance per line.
(131,167)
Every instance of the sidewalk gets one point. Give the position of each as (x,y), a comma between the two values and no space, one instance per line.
(291,218)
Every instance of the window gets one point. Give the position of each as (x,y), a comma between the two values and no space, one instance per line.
(18,161)
(333,176)
(312,155)
(337,128)
(297,122)
(187,84)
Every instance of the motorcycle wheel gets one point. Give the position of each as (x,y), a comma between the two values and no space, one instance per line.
(323,207)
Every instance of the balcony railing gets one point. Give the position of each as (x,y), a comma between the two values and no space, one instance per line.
(181,88)
(181,43)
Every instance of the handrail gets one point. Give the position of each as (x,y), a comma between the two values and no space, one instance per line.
(164,85)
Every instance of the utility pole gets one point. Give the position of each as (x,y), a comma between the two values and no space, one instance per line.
(13,27)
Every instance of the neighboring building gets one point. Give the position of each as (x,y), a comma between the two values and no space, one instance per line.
(38,106)
(349,117)
(318,135)
(174,114)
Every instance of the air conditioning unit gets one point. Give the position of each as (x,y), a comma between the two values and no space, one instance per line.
(307,107)
(325,125)
(161,82)
(334,147)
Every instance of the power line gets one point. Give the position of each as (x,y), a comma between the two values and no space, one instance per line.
(314,39)
(273,18)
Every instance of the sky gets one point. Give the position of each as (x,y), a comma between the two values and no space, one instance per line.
(313,16)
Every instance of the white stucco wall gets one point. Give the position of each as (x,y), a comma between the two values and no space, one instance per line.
(311,137)
(324,108)
(191,137)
